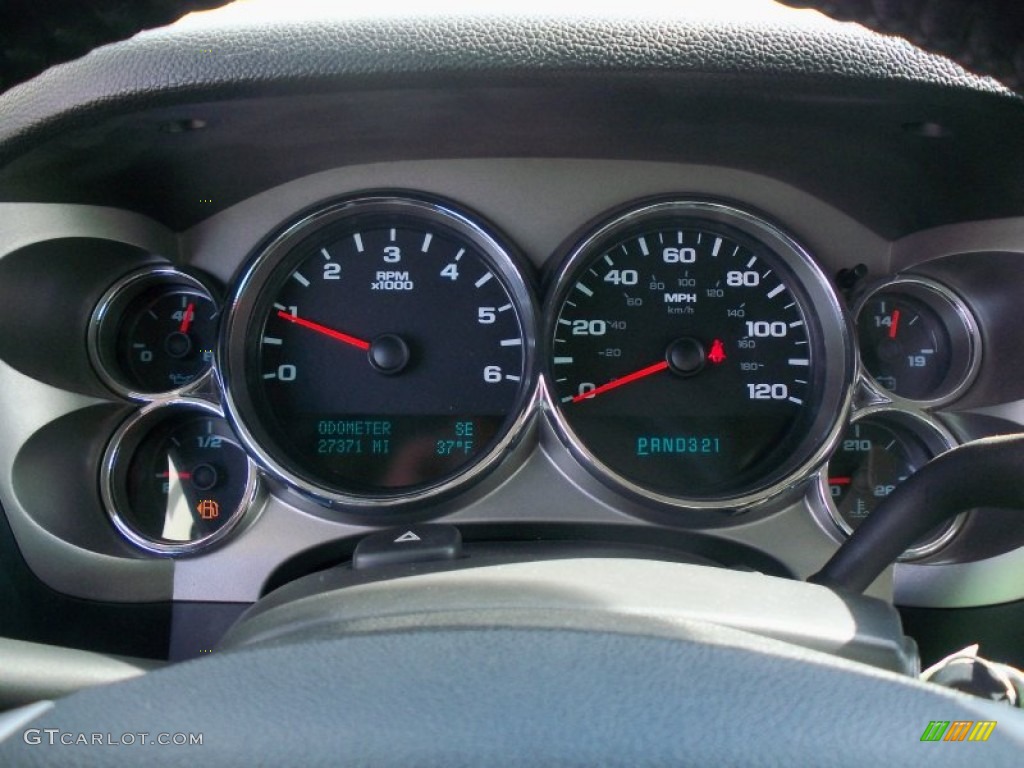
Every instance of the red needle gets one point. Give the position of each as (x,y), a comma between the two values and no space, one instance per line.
(894,323)
(651,369)
(338,335)
(840,480)
(182,475)
(186,319)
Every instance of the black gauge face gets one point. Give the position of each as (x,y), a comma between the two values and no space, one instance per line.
(687,359)
(387,352)
(871,460)
(166,339)
(874,455)
(918,340)
(182,482)
(904,345)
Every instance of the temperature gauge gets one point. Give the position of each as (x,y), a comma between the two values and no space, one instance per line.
(153,333)
(879,450)
(176,479)
(917,340)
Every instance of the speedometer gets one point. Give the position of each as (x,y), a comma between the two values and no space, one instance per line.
(697,356)
(380,350)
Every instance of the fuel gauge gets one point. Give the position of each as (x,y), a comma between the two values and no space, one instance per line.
(879,450)
(176,479)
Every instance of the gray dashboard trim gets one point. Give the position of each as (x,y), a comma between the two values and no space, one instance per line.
(538,204)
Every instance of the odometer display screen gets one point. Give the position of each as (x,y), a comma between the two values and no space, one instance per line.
(687,355)
(387,351)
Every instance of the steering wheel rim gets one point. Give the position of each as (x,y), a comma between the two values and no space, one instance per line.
(518,687)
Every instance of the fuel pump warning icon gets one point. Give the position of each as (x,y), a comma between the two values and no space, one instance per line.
(208,509)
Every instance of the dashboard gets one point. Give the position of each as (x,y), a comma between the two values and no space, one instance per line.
(671,306)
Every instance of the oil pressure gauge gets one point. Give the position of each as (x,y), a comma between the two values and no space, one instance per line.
(153,333)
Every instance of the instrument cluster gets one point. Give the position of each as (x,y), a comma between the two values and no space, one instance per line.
(384,352)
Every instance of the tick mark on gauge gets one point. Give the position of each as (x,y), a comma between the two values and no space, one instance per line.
(584,290)
(300,279)
(799,361)
(358,238)
(643,247)
(460,253)
(608,260)
(735,251)
(426,242)
(270,375)
(510,377)
(776,291)
(563,361)
(716,246)
(511,342)
(796,323)
(153,315)
(327,256)
(796,400)
(391,235)
(753,260)
(563,321)
(271,340)
(483,280)
(280,307)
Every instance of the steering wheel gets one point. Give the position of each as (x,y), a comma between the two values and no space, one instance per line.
(578,661)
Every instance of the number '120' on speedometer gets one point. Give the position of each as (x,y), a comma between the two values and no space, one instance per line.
(697,356)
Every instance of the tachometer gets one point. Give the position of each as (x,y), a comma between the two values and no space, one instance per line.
(697,356)
(380,349)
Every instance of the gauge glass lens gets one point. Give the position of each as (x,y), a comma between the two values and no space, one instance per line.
(687,357)
(184,481)
(874,455)
(166,338)
(904,345)
(387,351)
(872,459)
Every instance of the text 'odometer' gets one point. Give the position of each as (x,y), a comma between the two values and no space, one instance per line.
(687,355)
(387,353)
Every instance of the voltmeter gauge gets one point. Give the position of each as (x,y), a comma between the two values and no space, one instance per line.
(153,333)
(880,449)
(918,341)
(175,478)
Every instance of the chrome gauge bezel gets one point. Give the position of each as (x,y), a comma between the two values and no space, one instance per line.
(106,320)
(935,437)
(837,340)
(240,319)
(960,323)
(120,447)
